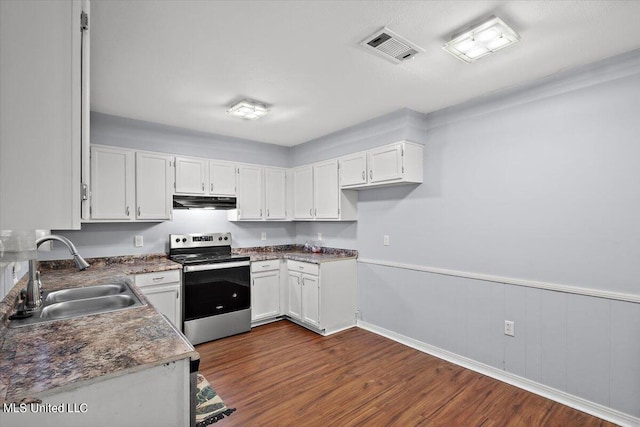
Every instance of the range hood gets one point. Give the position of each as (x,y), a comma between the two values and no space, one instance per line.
(203,202)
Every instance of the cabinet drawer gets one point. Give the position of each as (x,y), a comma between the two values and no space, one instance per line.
(157,278)
(303,267)
(272,264)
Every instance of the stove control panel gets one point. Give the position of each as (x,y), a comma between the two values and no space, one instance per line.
(199,240)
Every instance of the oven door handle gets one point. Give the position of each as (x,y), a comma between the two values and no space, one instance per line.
(219,266)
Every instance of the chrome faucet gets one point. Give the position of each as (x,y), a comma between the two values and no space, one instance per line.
(33,298)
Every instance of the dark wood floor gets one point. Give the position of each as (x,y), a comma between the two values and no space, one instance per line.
(283,375)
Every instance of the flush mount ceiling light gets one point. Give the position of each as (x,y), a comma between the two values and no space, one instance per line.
(482,39)
(248,109)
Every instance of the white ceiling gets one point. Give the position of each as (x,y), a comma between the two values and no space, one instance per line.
(182,63)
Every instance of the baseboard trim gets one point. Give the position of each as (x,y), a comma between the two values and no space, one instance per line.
(559,396)
(599,293)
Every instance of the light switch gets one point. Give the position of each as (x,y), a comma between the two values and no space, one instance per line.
(138,241)
(386,240)
(264,235)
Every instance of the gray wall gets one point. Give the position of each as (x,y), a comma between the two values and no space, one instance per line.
(538,183)
(123,132)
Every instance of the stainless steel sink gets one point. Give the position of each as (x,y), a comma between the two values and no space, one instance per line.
(77,302)
(83,307)
(83,293)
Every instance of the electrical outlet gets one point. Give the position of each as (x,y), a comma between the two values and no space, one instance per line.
(386,240)
(138,241)
(319,236)
(510,328)
(264,235)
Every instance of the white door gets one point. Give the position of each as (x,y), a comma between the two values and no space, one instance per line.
(222,179)
(275,193)
(112,183)
(294,309)
(326,190)
(249,192)
(154,180)
(40,101)
(190,175)
(265,295)
(385,163)
(166,299)
(353,169)
(303,192)
(311,300)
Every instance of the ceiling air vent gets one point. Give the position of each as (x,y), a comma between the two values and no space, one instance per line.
(391,46)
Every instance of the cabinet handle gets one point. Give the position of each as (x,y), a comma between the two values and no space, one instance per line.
(203,186)
(301,267)
(127,211)
(158,278)
(260,211)
(265,266)
(267,212)
(311,212)
(316,212)
(138,210)
(371,174)
(363,175)
(177,294)
(211,191)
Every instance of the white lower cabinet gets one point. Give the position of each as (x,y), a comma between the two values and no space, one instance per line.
(265,290)
(162,290)
(322,296)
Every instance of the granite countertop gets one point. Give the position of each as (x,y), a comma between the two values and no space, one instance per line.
(53,357)
(296,253)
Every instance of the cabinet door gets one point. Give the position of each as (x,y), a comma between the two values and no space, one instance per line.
(154,180)
(222,179)
(303,192)
(294,309)
(353,169)
(326,190)
(249,192)
(40,115)
(166,299)
(275,193)
(265,295)
(311,300)
(190,175)
(112,183)
(385,163)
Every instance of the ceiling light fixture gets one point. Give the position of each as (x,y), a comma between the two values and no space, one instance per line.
(480,40)
(248,109)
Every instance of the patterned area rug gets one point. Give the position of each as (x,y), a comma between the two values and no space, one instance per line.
(210,408)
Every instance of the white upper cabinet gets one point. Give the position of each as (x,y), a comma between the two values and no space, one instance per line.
(250,192)
(385,163)
(154,182)
(275,186)
(112,184)
(191,175)
(317,194)
(222,179)
(128,185)
(40,114)
(353,169)
(303,192)
(326,191)
(392,164)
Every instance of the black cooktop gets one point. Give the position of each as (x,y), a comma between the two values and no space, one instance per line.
(203,258)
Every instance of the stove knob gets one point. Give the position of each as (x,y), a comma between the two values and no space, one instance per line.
(184,240)
(177,240)
(220,238)
(226,237)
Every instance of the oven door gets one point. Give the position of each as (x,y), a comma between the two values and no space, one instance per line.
(214,289)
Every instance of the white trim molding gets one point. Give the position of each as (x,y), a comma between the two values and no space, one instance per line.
(598,293)
(559,396)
